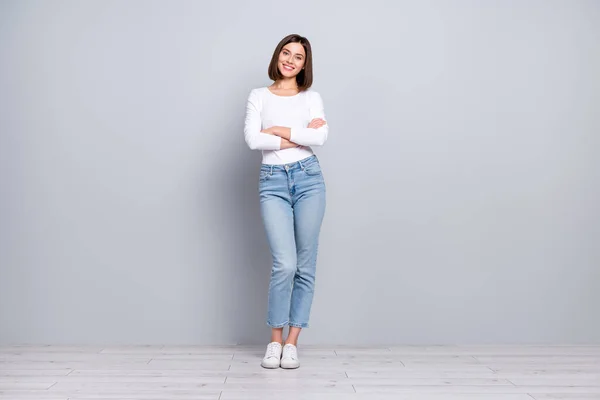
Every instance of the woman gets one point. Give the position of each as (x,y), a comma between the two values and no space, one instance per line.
(283,120)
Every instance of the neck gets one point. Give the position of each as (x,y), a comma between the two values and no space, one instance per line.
(286,83)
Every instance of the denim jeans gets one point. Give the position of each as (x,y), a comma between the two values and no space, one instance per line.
(292,203)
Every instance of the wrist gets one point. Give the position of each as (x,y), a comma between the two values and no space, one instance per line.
(283,132)
(286,144)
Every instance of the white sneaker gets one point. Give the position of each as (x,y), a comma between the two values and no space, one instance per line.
(289,360)
(272,357)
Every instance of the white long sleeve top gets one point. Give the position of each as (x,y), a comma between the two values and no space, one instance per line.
(265,109)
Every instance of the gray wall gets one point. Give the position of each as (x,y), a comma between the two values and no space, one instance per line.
(462,169)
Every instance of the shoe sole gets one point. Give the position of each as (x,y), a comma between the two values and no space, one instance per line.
(269,366)
(287,366)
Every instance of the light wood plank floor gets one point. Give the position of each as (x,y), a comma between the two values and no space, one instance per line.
(336,373)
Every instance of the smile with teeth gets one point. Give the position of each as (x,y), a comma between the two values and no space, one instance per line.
(289,68)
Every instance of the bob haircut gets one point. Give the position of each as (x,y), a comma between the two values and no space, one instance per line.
(304,79)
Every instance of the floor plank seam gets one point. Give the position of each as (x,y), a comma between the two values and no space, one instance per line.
(543,372)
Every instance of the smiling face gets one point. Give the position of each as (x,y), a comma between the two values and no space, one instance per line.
(291,59)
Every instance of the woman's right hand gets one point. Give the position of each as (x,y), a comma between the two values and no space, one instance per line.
(286,144)
(316,123)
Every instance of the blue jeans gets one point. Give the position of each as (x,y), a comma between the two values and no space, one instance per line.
(292,202)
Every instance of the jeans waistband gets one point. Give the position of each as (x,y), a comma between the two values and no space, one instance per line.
(291,166)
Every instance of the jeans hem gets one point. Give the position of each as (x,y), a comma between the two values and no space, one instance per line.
(294,324)
(299,325)
(277,325)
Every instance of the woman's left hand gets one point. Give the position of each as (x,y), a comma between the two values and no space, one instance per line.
(316,123)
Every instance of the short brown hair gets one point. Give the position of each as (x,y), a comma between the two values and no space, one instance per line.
(305,76)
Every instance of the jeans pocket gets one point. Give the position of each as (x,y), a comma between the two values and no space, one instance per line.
(313,169)
(264,175)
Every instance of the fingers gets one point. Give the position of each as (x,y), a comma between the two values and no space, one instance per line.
(317,123)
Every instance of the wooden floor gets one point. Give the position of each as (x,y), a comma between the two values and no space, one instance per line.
(348,373)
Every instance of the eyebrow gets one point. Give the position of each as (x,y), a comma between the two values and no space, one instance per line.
(300,54)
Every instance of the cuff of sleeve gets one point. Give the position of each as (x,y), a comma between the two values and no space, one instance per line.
(276,142)
(294,135)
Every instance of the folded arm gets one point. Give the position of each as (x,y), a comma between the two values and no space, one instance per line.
(308,136)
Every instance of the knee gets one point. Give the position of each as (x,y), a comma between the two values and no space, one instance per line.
(307,260)
(284,267)
(306,273)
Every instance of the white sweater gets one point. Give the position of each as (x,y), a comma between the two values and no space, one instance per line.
(265,109)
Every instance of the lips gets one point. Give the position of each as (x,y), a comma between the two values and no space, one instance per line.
(288,68)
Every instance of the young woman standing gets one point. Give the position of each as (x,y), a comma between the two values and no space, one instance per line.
(283,121)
